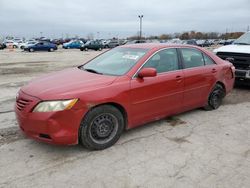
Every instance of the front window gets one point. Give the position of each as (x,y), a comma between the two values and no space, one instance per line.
(164,61)
(243,40)
(117,61)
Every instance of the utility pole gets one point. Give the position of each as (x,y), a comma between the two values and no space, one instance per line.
(248,29)
(140,17)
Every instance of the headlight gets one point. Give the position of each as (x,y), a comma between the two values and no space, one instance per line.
(51,106)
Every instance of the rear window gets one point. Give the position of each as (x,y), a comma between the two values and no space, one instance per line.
(192,58)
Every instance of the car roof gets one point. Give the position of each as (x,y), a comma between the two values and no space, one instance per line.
(151,46)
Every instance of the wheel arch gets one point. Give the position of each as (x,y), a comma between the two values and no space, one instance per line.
(222,85)
(120,107)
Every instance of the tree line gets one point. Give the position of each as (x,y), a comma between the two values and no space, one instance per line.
(193,35)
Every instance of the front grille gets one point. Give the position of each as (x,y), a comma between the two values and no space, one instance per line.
(22,103)
(241,60)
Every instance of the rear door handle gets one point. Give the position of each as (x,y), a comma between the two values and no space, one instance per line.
(214,70)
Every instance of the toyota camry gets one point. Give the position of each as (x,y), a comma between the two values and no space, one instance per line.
(123,88)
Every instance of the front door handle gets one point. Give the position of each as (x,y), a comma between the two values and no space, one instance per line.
(178,78)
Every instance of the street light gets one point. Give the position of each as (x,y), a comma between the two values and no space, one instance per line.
(140,17)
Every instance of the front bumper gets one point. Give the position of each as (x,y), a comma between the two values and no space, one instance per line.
(52,127)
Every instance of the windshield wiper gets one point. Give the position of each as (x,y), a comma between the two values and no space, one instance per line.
(92,70)
(241,43)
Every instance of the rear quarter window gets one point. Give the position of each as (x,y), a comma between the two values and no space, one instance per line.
(208,60)
(192,58)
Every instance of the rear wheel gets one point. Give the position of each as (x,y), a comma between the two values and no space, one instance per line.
(101,127)
(31,50)
(51,50)
(100,49)
(215,98)
(86,49)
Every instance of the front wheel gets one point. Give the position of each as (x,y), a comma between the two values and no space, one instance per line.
(31,50)
(51,50)
(101,127)
(215,98)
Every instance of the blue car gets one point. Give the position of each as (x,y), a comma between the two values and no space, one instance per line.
(73,44)
(41,46)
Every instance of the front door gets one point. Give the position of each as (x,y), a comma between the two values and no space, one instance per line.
(155,97)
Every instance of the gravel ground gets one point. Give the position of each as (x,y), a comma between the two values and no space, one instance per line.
(193,149)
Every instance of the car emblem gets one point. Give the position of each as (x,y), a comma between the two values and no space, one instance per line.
(230,59)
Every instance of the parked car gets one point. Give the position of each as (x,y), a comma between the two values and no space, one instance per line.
(238,53)
(2,46)
(112,44)
(222,42)
(73,44)
(203,43)
(136,41)
(93,45)
(58,41)
(191,42)
(25,44)
(41,46)
(229,41)
(11,43)
(121,89)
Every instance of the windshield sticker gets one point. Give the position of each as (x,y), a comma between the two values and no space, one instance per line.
(132,57)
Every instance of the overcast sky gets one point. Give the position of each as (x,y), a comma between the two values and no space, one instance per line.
(108,18)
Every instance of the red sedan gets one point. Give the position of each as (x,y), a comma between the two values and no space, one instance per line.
(123,88)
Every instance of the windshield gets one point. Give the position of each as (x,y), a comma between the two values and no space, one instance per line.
(244,39)
(117,61)
(88,42)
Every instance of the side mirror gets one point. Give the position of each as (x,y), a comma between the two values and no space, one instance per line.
(147,72)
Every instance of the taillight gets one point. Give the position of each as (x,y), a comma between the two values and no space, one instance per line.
(232,71)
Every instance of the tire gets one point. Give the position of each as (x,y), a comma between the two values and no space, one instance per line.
(101,127)
(31,50)
(81,49)
(100,49)
(86,49)
(215,97)
(51,50)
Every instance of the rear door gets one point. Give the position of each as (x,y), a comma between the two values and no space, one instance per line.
(155,97)
(199,77)
(39,46)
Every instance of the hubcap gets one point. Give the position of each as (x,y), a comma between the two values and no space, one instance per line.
(103,128)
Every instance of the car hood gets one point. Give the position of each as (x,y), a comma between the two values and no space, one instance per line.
(234,48)
(66,84)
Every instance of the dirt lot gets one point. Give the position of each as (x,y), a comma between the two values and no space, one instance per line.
(194,149)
